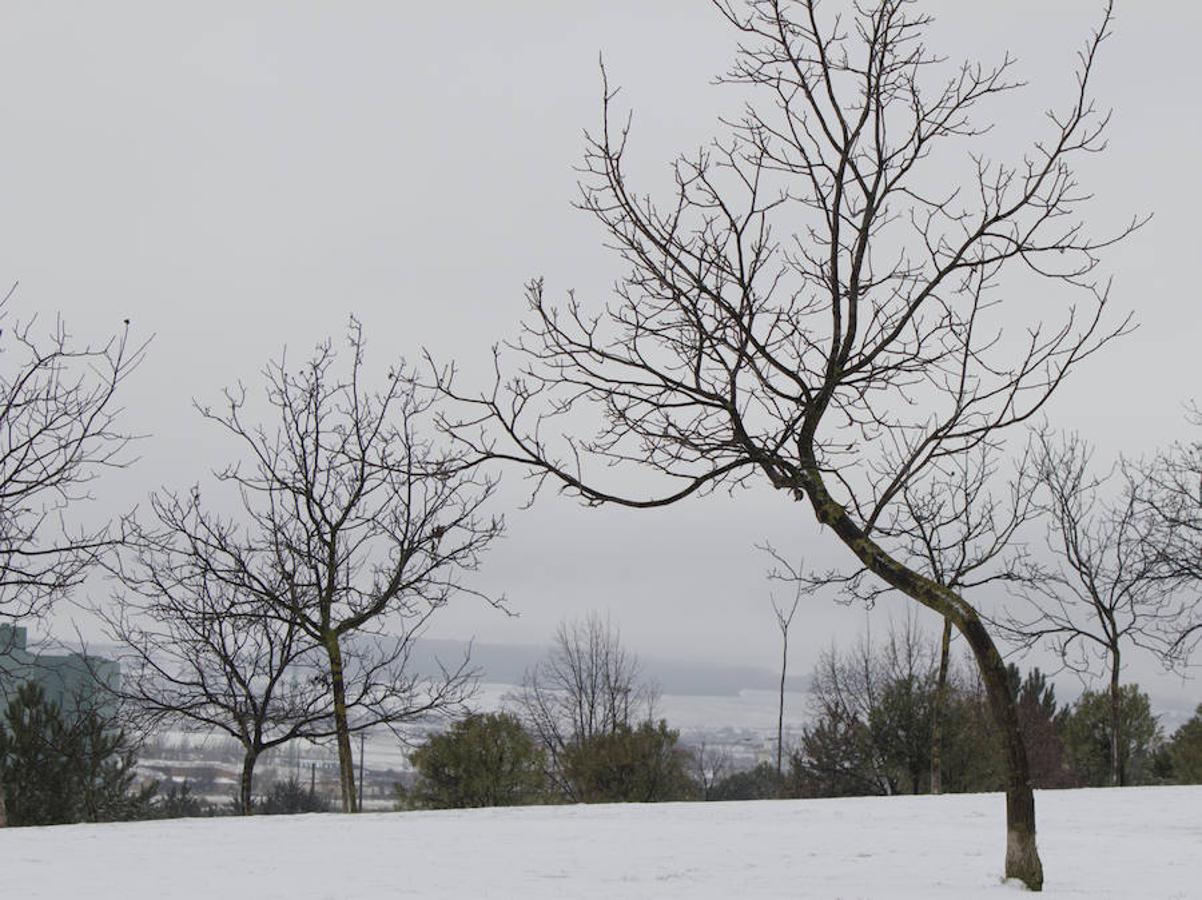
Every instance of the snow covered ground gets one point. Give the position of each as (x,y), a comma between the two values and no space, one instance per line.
(1130,843)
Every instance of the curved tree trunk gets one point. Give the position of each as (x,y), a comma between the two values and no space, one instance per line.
(1022,855)
(346,762)
(246,797)
(937,713)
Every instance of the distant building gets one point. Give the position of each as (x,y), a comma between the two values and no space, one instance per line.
(70,680)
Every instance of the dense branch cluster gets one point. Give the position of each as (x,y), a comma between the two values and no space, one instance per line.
(58,432)
(588,688)
(297,617)
(1169,502)
(816,303)
(801,306)
(840,296)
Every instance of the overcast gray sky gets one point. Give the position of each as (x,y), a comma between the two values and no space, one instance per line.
(239,176)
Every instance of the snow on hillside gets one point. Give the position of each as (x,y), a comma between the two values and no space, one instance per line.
(1135,842)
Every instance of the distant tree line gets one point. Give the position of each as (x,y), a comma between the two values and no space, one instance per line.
(870,732)
(873,715)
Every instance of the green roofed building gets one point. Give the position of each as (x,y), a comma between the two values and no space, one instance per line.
(69,680)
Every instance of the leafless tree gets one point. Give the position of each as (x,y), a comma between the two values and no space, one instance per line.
(845,689)
(587,685)
(710,765)
(362,529)
(1102,595)
(1168,496)
(202,642)
(818,302)
(877,697)
(58,432)
(783,621)
(940,708)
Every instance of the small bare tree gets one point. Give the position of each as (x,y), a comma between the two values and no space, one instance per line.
(362,528)
(783,622)
(876,697)
(1103,594)
(957,526)
(587,686)
(202,640)
(710,766)
(816,303)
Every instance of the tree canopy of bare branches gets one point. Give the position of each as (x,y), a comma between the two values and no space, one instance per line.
(201,643)
(956,524)
(588,685)
(353,528)
(1102,595)
(58,432)
(819,301)
(880,696)
(1169,503)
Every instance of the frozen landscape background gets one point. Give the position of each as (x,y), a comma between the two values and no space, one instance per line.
(235,179)
(732,709)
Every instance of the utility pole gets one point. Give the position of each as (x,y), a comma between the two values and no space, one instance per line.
(362,737)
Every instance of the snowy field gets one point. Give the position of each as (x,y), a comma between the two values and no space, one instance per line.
(1131,843)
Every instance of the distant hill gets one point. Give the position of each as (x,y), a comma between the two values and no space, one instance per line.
(507,663)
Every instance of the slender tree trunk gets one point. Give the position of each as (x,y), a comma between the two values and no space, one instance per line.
(1117,773)
(3,809)
(362,757)
(246,800)
(346,762)
(937,713)
(780,717)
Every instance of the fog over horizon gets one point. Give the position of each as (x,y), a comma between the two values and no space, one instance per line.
(240,178)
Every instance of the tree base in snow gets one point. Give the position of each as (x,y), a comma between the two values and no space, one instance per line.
(1022,859)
